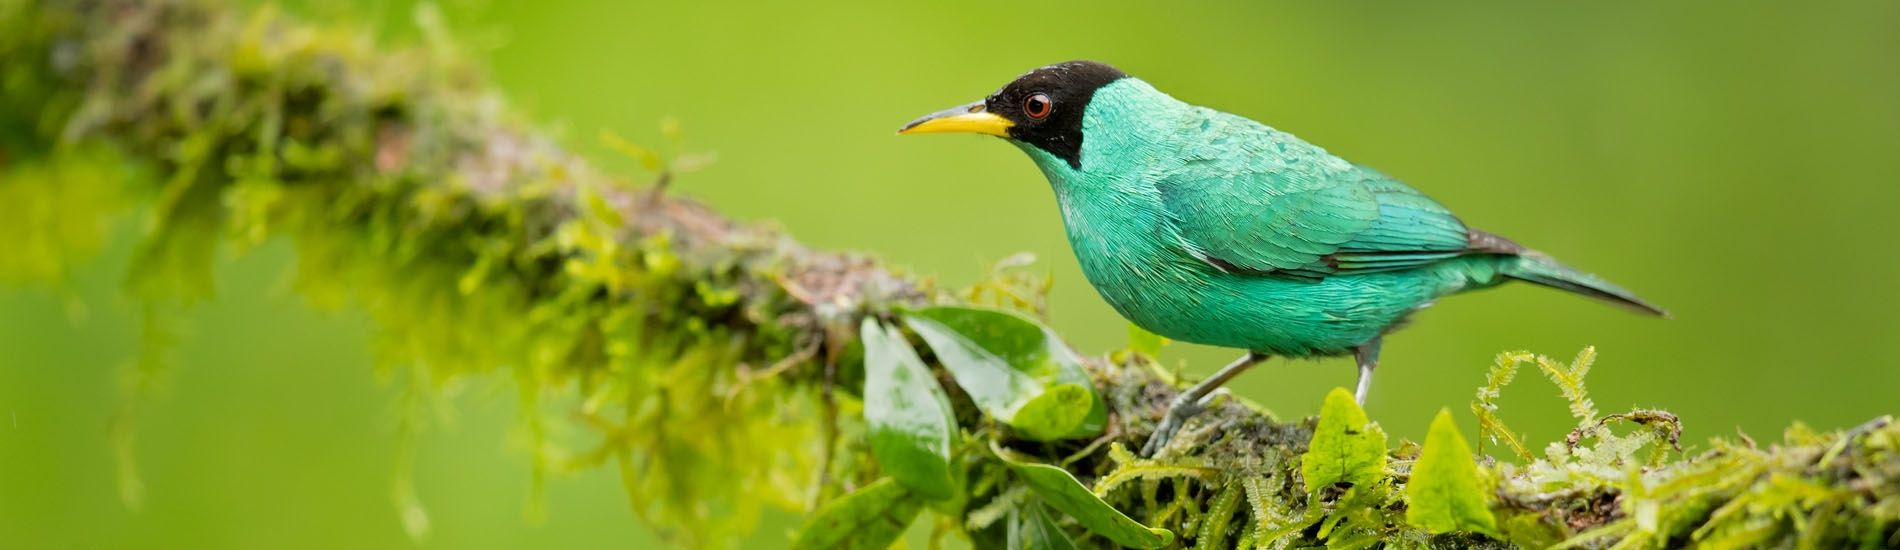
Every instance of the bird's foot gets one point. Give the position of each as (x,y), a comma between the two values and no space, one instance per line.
(1185,406)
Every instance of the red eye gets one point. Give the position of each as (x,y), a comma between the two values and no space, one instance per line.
(1037,106)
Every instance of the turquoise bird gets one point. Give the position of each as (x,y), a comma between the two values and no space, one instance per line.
(1208,227)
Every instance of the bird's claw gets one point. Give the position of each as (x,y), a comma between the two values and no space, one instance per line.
(1177,416)
(1184,407)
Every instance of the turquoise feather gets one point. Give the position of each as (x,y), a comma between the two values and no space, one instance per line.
(1211,228)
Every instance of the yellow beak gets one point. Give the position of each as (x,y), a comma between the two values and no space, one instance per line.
(972,118)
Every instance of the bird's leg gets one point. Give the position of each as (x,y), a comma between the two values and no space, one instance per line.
(1368,356)
(1193,400)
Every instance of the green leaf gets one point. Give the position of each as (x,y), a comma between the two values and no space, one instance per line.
(1031,528)
(912,428)
(1530,530)
(1144,342)
(1345,448)
(1056,413)
(1061,491)
(1006,363)
(1444,494)
(871,518)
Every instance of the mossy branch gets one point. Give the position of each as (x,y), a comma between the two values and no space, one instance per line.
(716,364)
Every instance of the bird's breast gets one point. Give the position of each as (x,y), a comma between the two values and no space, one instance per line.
(1133,258)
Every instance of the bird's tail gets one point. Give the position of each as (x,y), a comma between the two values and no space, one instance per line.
(1541,269)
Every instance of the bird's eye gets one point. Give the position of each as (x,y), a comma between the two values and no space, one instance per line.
(1037,106)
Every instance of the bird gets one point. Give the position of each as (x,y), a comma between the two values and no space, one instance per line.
(1212,228)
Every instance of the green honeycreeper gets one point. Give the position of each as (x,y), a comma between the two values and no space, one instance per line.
(1208,227)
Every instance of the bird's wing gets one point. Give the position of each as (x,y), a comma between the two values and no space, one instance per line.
(1411,229)
(1308,223)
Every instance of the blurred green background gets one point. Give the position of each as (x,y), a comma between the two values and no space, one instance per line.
(1737,163)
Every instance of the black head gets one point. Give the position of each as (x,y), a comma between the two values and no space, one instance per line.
(1046,105)
(1042,108)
